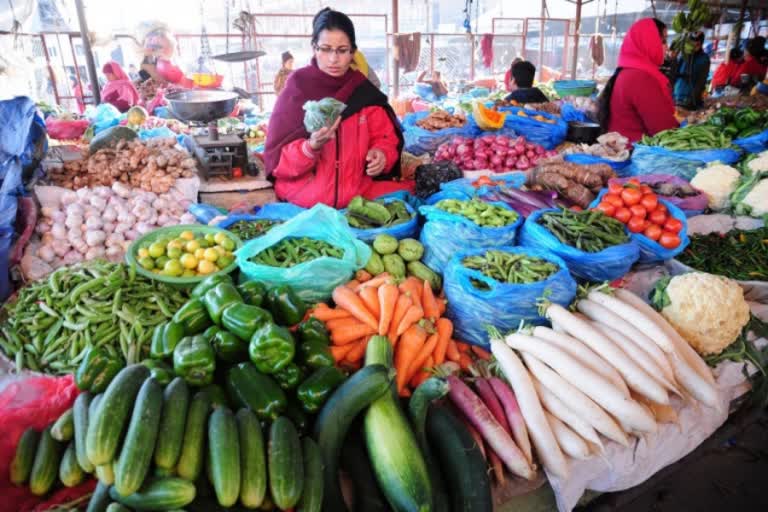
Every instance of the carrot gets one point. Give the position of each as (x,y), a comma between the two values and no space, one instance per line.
(407,350)
(363,275)
(441,304)
(413,315)
(421,358)
(429,303)
(465,361)
(413,286)
(378,280)
(463,347)
(482,354)
(339,324)
(339,352)
(444,333)
(323,313)
(350,334)
(403,303)
(353,284)
(422,374)
(358,350)
(452,352)
(347,299)
(370,297)
(388,295)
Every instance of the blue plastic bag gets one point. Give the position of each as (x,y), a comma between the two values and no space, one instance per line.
(205,213)
(404,196)
(549,135)
(445,234)
(419,141)
(278,211)
(464,185)
(606,265)
(504,305)
(620,168)
(569,113)
(658,160)
(407,229)
(314,280)
(755,143)
(103,116)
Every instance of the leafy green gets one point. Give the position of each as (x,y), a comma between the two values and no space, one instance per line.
(659,296)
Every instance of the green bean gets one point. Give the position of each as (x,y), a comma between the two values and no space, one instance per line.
(589,231)
(510,268)
(294,251)
(250,229)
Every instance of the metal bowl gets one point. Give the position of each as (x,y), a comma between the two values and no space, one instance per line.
(586,133)
(201,105)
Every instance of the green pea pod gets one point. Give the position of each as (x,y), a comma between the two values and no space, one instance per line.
(159,370)
(209,282)
(271,348)
(193,316)
(229,347)
(315,354)
(289,377)
(218,298)
(253,292)
(96,370)
(194,360)
(243,320)
(165,338)
(315,390)
(313,330)
(286,306)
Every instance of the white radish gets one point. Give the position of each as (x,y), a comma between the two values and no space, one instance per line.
(557,408)
(624,409)
(538,427)
(694,383)
(634,376)
(569,441)
(583,354)
(662,413)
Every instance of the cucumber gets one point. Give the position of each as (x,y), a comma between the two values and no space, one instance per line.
(286,467)
(354,459)
(464,467)
(100,498)
(64,428)
(136,454)
(80,421)
(106,473)
(162,494)
(116,507)
(192,448)
(312,495)
(224,456)
(171,433)
(45,467)
(397,461)
(70,472)
(331,426)
(253,464)
(111,418)
(21,465)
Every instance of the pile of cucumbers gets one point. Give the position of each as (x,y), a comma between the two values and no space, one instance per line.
(364,214)
(400,259)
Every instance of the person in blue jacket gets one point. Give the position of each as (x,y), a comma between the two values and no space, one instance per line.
(692,74)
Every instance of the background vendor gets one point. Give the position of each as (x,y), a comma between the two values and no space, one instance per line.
(119,90)
(285,70)
(692,74)
(359,154)
(521,84)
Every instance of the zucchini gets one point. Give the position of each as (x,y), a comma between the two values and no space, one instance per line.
(368,496)
(253,464)
(106,473)
(286,467)
(45,467)
(162,494)
(116,507)
(331,426)
(21,465)
(64,428)
(464,467)
(100,498)
(80,421)
(70,472)
(136,454)
(192,448)
(109,421)
(397,461)
(171,433)
(224,456)
(312,494)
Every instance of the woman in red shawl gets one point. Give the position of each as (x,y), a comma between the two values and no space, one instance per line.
(637,99)
(359,154)
(119,90)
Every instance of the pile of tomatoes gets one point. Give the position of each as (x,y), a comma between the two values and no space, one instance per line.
(637,206)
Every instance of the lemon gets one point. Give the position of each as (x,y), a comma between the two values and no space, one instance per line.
(224,261)
(161,261)
(147,263)
(211,255)
(210,238)
(188,261)
(199,253)
(189,273)
(219,249)
(204,243)
(175,244)
(156,250)
(218,237)
(206,267)
(173,268)
(174,253)
(187,235)
(142,253)
(227,243)
(192,246)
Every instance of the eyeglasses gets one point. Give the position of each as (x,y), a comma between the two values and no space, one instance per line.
(327,50)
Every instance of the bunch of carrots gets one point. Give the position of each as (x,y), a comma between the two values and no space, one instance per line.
(409,314)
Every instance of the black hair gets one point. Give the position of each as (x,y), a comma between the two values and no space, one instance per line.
(756,47)
(735,54)
(604,100)
(523,73)
(328,19)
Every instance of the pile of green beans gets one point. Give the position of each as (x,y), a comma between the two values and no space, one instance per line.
(741,255)
(250,229)
(51,323)
(690,138)
(590,230)
(481,213)
(510,268)
(294,251)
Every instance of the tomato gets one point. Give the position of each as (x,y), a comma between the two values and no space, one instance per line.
(613,199)
(638,211)
(636,224)
(649,201)
(645,189)
(606,208)
(673,225)
(652,231)
(661,208)
(622,215)
(615,188)
(669,240)
(631,196)
(634,181)
(577,208)
(658,217)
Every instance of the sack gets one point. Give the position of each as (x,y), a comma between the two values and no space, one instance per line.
(754,143)
(621,168)
(318,114)
(65,129)
(683,164)
(606,265)
(549,135)
(445,234)
(103,116)
(419,141)
(505,305)
(409,229)
(691,206)
(314,280)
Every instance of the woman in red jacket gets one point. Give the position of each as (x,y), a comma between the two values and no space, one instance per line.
(359,154)
(637,99)
(754,65)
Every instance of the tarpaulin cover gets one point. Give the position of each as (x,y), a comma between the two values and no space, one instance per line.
(658,160)
(419,141)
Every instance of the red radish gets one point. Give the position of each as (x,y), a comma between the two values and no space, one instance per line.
(514,416)
(491,401)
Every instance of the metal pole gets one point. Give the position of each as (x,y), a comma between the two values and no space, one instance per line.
(541,37)
(396,56)
(576,29)
(91,65)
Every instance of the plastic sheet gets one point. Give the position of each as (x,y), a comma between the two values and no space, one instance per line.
(755,143)
(66,129)
(621,168)
(102,117)
(318,114)
(691,206)
(419,141)
(658,160)
(549,135)
(408,229)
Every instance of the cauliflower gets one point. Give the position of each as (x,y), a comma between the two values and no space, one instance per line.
(759,163)
(709,311)
(718,181)
(757,198)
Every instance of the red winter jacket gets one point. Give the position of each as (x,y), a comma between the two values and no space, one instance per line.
(335,174)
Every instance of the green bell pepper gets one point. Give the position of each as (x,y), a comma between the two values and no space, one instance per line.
(289,377)
(193,316)
(253,292)
(165,338)
(315,354)
(315,390)
(271,348)
(159,370)
(211,332)
(243,320)
(96,370)
(260,393)
(218,298)
(313,330)
(229,347)
(286,306)
(209,282)
(298,417)
(194,360)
